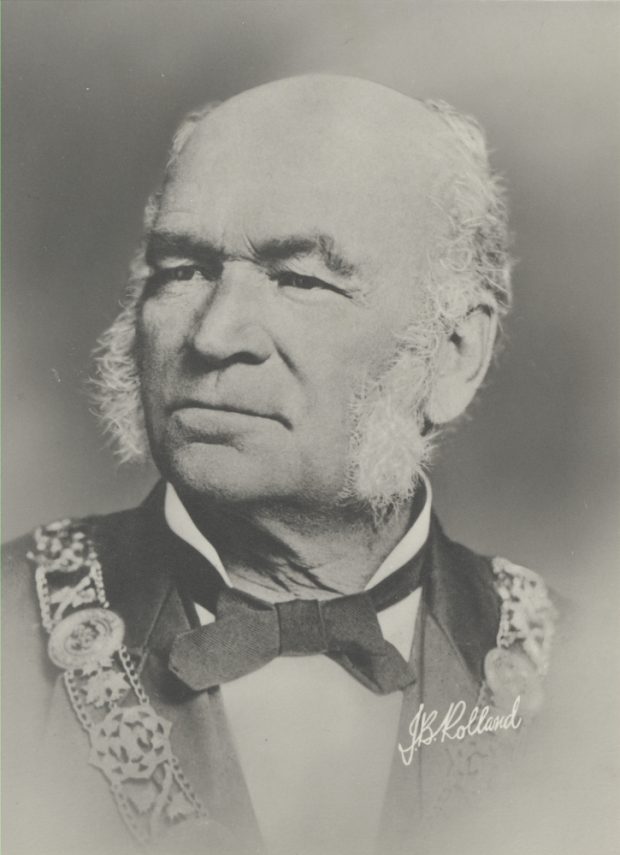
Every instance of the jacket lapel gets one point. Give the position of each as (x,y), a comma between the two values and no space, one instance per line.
(200,735)
(456,626)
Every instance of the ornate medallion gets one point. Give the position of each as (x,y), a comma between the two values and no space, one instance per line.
(86,636)
(130,743)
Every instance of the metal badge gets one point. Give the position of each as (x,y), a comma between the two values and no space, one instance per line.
(86,636)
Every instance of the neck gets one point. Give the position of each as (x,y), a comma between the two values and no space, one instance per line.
(277,554)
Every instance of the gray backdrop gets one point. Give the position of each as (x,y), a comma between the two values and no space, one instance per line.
(92,92)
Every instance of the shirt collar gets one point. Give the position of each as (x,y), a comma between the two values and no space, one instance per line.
(180,522)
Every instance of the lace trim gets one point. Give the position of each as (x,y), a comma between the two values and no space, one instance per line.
(528,616)
(519,662)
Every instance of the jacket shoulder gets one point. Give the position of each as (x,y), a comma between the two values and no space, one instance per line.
(18,555)
(20,607)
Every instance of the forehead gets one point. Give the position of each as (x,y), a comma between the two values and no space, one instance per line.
(254,171)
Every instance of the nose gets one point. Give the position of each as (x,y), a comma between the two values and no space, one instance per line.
(230,324)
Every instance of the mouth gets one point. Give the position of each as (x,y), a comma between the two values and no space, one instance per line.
(233,409)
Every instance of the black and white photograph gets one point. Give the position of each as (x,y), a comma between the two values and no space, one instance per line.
(311,422)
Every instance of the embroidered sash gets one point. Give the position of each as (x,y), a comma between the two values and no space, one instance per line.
(129,741)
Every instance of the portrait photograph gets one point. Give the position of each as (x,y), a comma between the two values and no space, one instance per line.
(311,423)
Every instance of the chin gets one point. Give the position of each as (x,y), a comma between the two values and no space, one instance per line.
(220,472)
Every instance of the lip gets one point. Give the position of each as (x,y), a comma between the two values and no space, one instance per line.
(223,407)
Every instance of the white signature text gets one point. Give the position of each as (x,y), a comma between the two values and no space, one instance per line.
(426,726)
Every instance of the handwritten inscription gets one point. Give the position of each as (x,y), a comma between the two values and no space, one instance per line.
(427,727)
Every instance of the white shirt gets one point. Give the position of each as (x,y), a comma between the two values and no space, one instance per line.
(315,745)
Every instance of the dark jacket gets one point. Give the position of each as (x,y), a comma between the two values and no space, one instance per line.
(55,801)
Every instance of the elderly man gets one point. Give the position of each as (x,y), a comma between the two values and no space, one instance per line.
(281,649)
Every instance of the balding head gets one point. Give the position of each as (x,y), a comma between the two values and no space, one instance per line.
(323,116)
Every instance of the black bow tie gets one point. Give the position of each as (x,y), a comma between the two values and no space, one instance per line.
(249,632)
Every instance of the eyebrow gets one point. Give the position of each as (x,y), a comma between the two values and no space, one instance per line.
(282,249)
(163,243)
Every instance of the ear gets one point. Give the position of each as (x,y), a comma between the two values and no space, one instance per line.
(462,362)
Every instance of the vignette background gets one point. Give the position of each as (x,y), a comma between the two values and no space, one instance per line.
(93,90)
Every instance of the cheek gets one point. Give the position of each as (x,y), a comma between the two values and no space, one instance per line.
(155,346)
(337,359)
(359,360)
(338,378)
(159,335)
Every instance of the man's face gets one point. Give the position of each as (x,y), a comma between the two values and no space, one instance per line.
(285,257)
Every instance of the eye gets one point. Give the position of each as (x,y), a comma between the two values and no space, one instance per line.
(304,283)
(182,273)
